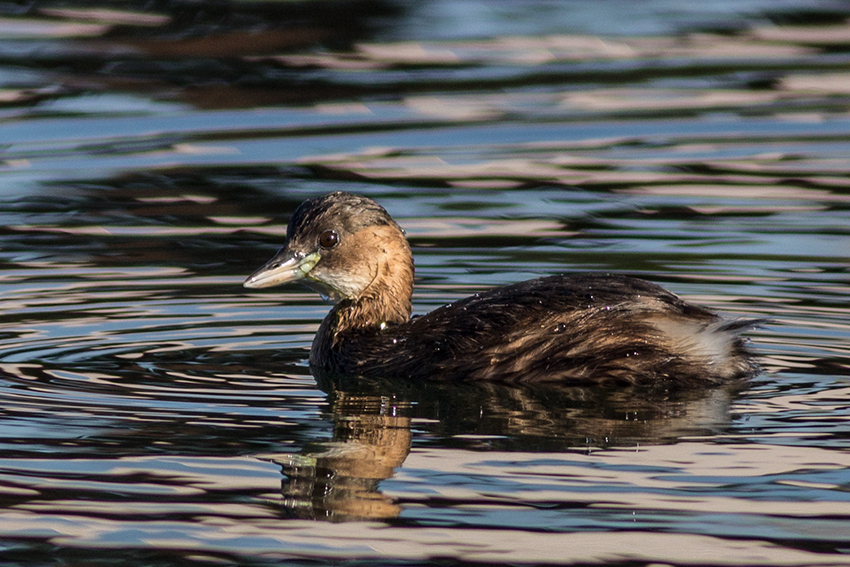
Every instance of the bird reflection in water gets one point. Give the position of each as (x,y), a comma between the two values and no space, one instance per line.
(339,479)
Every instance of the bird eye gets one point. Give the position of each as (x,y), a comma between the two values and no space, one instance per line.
(328,239)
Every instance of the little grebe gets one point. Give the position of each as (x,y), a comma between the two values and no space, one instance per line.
(572,328)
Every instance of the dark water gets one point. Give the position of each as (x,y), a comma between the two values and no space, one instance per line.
(156,413)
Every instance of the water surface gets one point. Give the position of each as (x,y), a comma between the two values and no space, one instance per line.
(155,412)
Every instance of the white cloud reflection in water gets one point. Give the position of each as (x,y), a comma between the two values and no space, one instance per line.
(670,489)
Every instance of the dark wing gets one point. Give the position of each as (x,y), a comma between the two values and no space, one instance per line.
(578,328)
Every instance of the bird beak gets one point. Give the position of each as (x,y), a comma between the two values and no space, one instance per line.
(285,267)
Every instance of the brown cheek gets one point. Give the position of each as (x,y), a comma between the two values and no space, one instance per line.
(347,267)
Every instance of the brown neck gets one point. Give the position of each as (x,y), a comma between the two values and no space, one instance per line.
(386,300)
(385,279)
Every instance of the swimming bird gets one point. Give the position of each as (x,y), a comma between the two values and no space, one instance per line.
(572,328)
